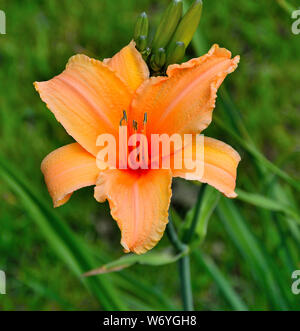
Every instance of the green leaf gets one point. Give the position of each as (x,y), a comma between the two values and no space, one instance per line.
(267,203)
(45,291)
(151,258)
(223,284)
(257,258)
(286,6)
(208,204)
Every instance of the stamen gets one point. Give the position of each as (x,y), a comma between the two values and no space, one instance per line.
(145,123)
(145,118)
(144,148)
(135,125)
(124,118)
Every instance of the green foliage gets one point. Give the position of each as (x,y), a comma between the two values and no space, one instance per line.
(242,251)
(153,258)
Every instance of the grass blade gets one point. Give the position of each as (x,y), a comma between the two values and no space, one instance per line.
(251,251)
(225,287)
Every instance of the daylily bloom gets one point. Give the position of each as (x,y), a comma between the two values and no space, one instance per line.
(89,98)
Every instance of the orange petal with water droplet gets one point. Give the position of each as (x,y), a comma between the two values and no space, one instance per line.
(68,169)
(139,202)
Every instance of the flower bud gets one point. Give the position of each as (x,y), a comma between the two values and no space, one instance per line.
(176,54)
(145,53)
(158,59)
(141,27)
(141,43)
(168,24)
(153,64)
(188,25)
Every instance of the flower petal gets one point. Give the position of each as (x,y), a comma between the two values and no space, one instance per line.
(68,169)
(139,203)
(87,98)
(183,102)
(130,66)
(219,168)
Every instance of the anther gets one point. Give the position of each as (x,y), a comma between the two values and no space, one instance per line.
(124,118)
(135,125)
(145,118)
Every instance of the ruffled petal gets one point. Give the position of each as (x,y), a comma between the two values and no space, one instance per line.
(139,202)
(130,66)
(217,167)
(183,102)
(88,99)
(68,169)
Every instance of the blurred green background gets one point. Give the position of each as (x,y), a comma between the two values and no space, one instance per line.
(252,243)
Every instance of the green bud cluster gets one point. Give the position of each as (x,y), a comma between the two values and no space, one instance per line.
(172,37)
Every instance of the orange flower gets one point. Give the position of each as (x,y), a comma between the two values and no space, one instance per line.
(88,99)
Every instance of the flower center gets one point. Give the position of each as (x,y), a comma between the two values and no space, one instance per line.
(139,146)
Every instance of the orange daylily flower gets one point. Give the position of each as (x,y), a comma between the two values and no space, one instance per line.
(88,99)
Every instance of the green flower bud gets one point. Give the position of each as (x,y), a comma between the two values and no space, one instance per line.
(176,53)
(153,64)
(141,27)
(141,43)
(168,24)
(188,24)
(145,53)
(160,57)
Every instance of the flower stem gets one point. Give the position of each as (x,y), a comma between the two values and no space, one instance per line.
(181,246)
(185,282)
(172,235)
(190,233)
(184,268)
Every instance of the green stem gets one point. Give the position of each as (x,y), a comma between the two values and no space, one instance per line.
(185,283)
(189,235)
(175,241)
(184,268)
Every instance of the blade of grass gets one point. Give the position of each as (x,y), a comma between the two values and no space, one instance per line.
(154,258)
(286,6)
(131,283)
(45,292)
(210,200)
(259,156)
(267,203)
(222,283)
(251,251)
